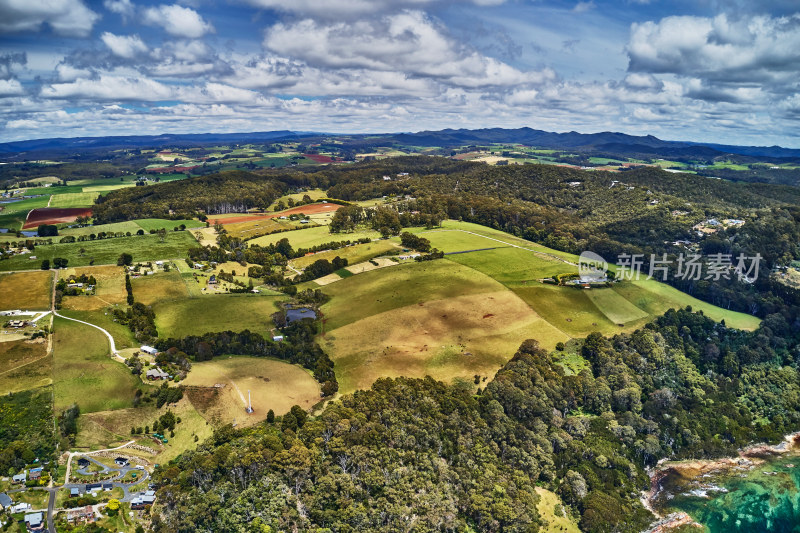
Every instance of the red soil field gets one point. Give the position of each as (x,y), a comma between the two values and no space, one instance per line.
(310,209)
(317,158)
(55,215)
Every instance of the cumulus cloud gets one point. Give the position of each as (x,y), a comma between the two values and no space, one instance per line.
(65,17)
(178,21)
(338,9)
(110,88)
(11,88)
(10,62)
(407,42)
(124,8)
(754,49)
(125,46)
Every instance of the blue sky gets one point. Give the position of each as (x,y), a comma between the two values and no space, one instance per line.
(708,70)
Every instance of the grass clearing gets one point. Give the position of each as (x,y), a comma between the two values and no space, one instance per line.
(552,510)
(306,238)
(354,254)
(512,265)
(26,290)
(568,309)
(123,337)
(109,291)
(616,308)
(85,374)
(656,298)
(74,199)
(402,285)
(456,337)
(273,384)
(159,287)
(218,312)
(106,251)
(24,365)
(108,428)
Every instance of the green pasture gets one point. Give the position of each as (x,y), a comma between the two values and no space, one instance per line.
(85,374)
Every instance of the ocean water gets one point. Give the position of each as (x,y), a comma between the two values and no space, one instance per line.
(761,498)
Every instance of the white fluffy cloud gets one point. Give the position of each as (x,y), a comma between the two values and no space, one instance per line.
(125,8)
(407,42)
(65,17)
(753,49)
(178,21)
(338,9)
(125,46)
(110,88)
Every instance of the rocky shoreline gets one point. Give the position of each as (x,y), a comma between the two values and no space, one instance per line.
(747,458)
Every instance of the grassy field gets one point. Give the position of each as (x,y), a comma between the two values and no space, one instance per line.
(315,194)
(456,337)
(390,288)
(272,384)
(123,337)
(26,290)
(13,214)
(106,251)
(218,312)
(157,223)
(353,254)
(74,199)
(24,365)
(614,306)
(84,373)
(160,287)
(656,298)
(114,227)
(552,510)
(108,428)
(109,290)
(305,238)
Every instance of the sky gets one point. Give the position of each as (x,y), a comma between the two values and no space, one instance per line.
(725,71)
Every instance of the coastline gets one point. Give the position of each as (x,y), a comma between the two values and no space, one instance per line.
(747,458)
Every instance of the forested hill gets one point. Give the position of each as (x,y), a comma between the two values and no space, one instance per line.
(419,455)
(225,192)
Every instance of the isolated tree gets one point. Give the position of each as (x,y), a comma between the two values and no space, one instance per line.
(125,259)
(45,264)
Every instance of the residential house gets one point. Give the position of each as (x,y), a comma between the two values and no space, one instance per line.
(83,462)
(80,515)
(5,501)
(93,486)
(121,461)
(20,478)
(20,508)
(143,499)
(74,492)
(35,473)
(148,350)
(156,373)
(277,338)
(34,522)
(212,280)
(108,486)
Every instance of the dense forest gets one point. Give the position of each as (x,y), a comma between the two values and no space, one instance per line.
(224,192)
(420,455)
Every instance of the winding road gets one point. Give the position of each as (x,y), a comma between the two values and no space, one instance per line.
(114,352)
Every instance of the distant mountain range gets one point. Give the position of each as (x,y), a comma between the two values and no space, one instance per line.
(610,142)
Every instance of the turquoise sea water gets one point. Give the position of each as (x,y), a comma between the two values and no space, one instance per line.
(763,498)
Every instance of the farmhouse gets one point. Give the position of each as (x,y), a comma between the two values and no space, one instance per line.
(34,522)
(148,349)
(156,373)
